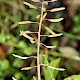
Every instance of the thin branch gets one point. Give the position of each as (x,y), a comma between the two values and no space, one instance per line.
(48,46)
(23,57)
(51,67)
(50,1)
(27,32)
(60,34)
(26,22)
(56,9)
(14,78)
(28,68)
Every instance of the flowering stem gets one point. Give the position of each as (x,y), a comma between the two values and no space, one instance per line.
(38,47)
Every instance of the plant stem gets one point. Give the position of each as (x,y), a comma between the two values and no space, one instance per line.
(38,47)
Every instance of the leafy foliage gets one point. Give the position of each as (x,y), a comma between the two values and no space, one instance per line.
(74,77)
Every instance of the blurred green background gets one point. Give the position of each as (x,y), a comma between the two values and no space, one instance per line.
(66,55)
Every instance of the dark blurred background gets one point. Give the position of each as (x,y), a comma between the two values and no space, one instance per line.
(66,54)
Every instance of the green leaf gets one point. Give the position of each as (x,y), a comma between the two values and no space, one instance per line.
(4,64)
(73,77)
(20,76)
(1,79)
(47,71)
(76,18)
(55,63)
(2,36)
(21,44)
(17,63)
